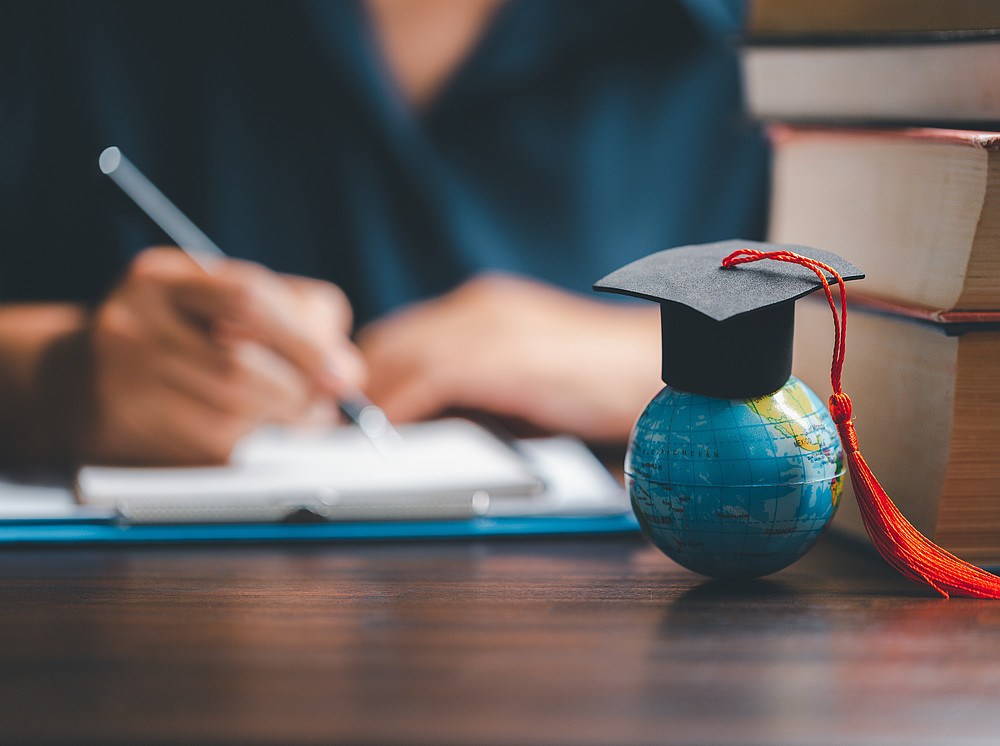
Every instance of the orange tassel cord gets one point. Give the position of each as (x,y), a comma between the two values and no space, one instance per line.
(895,538)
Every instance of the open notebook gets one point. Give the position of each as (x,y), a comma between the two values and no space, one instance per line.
(445,470)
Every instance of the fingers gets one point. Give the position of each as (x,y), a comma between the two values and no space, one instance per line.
(449,352)
(516,348)
(242,377)
(186,362)
(304,321)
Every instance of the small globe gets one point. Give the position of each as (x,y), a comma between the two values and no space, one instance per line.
(734,488)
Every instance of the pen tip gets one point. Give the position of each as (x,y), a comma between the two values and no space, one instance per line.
(110,159)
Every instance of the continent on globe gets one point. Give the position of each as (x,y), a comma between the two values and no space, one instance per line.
(775,410)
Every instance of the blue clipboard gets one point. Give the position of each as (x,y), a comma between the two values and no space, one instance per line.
(567,468)
(108,531)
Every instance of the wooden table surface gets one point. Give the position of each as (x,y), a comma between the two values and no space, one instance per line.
(597,640)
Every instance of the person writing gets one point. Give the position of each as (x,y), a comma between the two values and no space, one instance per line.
(178,364)
(446,177)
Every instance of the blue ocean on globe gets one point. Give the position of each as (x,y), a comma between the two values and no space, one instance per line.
(735,488)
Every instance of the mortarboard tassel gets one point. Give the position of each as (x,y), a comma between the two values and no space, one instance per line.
(905,548)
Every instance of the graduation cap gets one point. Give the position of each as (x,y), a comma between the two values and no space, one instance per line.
(727,332)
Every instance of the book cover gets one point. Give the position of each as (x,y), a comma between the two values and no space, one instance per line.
(796,20)
(942,78)
(926,403)
(917,208)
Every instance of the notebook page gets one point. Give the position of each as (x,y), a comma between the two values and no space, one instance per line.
(441,469)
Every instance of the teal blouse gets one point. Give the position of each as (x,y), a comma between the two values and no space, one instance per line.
(578,135)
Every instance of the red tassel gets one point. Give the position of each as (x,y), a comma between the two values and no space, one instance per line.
(902,546)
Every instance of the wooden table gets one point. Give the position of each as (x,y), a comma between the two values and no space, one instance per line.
(598,640)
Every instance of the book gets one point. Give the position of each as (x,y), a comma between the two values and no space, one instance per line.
(840,18)
(918,209)
(926,402)
(945,78)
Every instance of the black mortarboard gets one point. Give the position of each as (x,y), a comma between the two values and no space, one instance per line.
(726,332)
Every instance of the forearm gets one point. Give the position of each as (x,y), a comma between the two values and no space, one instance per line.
(44,381)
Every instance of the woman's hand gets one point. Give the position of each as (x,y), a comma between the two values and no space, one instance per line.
(186,362)
(517,348)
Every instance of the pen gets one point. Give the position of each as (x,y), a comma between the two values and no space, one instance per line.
(367,415)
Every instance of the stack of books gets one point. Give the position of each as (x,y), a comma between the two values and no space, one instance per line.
(885,122)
